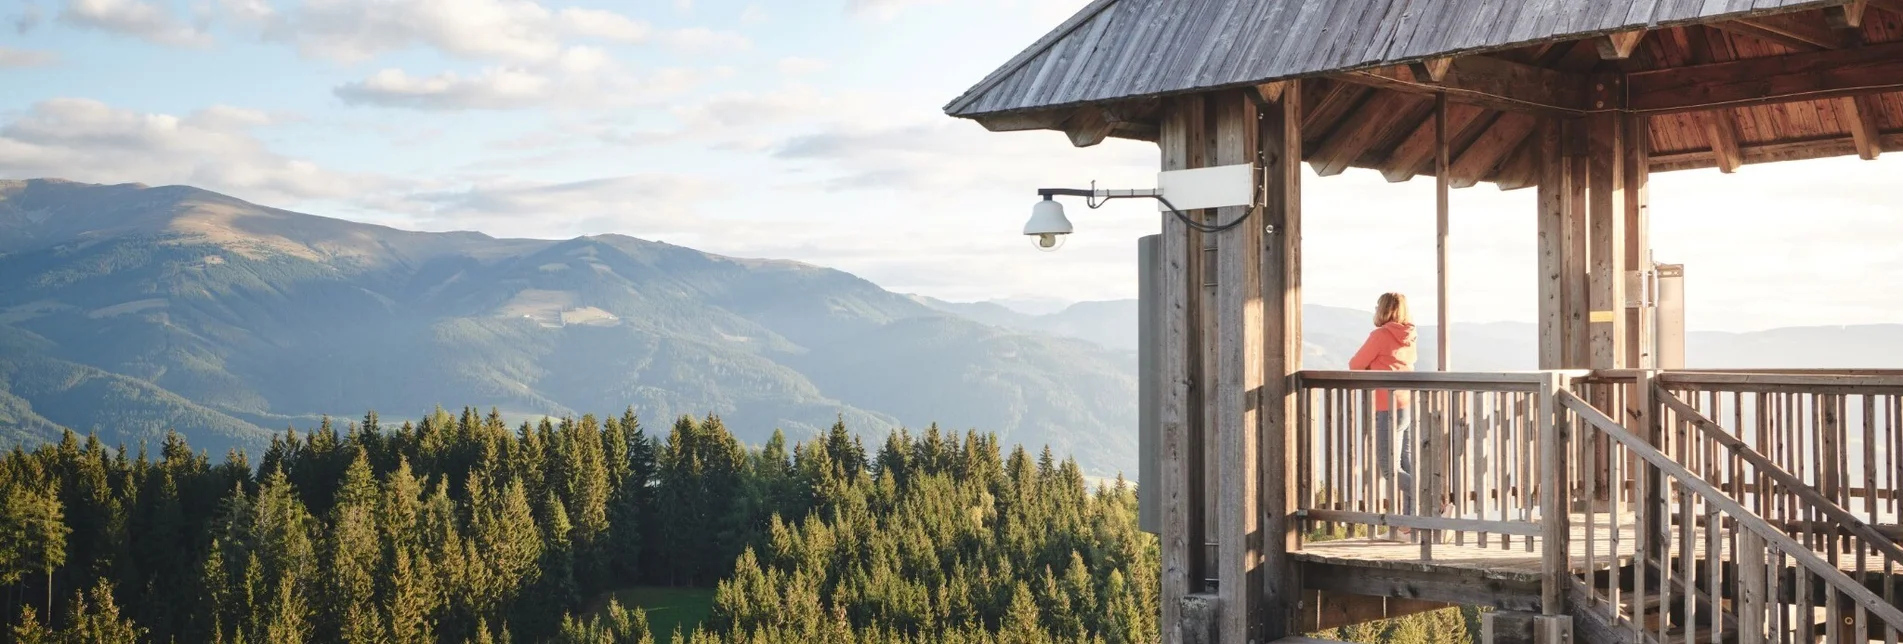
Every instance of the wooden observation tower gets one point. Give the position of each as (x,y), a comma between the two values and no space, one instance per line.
(1602,498)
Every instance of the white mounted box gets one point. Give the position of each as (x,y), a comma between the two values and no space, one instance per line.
(1217,187)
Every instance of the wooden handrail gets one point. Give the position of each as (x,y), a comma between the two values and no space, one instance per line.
(1807,382)
(1744,518)
(1790,481)
(1423,380)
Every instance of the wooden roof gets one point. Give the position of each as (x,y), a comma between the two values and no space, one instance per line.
(1725,83)
(1120,49)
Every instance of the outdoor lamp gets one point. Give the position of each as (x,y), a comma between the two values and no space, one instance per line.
(1217,187)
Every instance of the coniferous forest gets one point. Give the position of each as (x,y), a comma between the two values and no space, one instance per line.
(458,528)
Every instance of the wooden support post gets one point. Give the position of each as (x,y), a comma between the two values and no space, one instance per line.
(1179,359)
(1636,171)
(1554,484)
(1506,627)
(1281,154)
(1553,189)
(1442,182)
(1606,251)
(1575,336)
(1240,352)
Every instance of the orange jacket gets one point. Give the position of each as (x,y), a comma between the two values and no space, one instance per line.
(1388,348)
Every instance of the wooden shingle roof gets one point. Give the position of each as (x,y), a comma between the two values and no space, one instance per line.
(1123,49)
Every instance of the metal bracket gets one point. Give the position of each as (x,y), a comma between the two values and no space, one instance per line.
(1641,289)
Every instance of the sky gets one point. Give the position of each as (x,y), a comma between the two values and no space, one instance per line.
(809,130)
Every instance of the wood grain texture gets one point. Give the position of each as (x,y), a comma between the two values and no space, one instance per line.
(1182,521)
(1239,375)
(1281,148)
(1128,48)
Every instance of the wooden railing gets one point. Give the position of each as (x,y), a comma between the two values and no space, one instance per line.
(1684,506)
(1704,566)
(1477,445)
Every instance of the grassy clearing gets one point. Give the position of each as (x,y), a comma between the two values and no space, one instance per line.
(666,607)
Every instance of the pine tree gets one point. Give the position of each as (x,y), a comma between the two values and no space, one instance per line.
(354,559)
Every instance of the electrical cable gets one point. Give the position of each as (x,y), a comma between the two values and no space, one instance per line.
(1198,226)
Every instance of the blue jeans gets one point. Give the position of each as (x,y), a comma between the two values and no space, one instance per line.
(1387,429)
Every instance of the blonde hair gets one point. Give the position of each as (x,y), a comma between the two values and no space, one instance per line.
(1392,307)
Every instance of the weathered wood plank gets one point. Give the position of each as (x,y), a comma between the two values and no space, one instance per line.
(1426,523)
(1373,121)
(1182,521)
(1493,83)
(1417,151)
(1758,81)
(1281,296)
(1486,153)
(1443,181)
(1790,30)
(1722,133)
(1551,223)
(1239,376)
(1575,335)
(1637,171)
(1469,589)
(1860,117)
(1771,153)
(1619,45)
(1606,249)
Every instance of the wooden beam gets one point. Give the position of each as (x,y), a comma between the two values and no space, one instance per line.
(1021,121)
(1489,82)
(1636,171)
(1554,186)
(1619,45)
(1087,126)
(1846,16)
(1521,169)
(1575,337)
(1860,117)
(1281,148)
(1873,69)
(1493,146)
(1272,92)
(1453,586)
(1722,133)
(1323,109)
(1417,150)
(1239,376)
(1892,6)
(1605,158)
(1374,121)
(1322,611)
(1443,174)
(1182,538)
(1773,152)
(1793,30)
(1432,70)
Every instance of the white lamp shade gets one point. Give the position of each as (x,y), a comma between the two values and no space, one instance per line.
(1047,218)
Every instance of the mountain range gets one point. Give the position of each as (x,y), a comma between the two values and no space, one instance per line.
(128,310)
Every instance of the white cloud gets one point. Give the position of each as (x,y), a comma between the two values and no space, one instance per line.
(20,58)
(582,79)
(754,14)
(797,66)
(606,25)
(517,32)
(86,140)
(143,20)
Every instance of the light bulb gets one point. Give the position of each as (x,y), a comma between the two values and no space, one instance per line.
(1048,242)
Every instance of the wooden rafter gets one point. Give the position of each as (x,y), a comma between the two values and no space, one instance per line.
(1846,16)
(1480,158)
(1374,121)
(1413,154)
(1337,100)
(1792,30)
(1723,135)
(1860,116)
(1087,127)
(1772,152)
(1892,6)
(1619,45)
(1872,69)
(1433,70)
(1489,82)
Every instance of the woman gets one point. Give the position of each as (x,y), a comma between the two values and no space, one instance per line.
(1390,347)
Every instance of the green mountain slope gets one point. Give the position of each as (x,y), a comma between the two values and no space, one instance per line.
(177,307)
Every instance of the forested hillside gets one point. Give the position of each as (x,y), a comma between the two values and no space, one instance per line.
(459,528)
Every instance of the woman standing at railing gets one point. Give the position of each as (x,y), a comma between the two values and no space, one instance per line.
(1390,347)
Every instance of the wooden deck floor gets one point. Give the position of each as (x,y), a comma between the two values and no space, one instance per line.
(1499,557)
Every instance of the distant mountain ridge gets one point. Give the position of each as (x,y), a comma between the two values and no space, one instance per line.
(129,309)
(1334,333)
